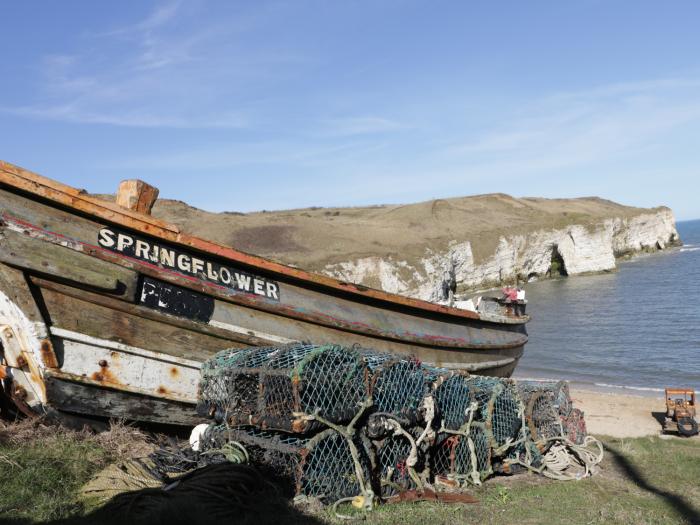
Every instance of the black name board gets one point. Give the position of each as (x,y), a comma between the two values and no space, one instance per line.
(187,264)
(176,300)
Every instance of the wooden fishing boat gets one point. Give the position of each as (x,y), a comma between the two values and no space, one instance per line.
(107,311)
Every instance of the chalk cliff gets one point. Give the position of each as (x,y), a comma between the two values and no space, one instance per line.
(572,250)
(430,249)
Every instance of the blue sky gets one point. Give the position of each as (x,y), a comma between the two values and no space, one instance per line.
(268,105)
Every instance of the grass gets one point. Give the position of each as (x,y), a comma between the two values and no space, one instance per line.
(44,466)
(642,481)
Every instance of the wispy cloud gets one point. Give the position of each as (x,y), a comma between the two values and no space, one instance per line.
(572,129)
(161,71)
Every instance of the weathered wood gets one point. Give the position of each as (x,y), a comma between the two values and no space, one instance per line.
(371,320)
(137,196)
(46,258)
(128,371)
(99,401)
(132,329)
(15,286)
(243,338)
(79,200)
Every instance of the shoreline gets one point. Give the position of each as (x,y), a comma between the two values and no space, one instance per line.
(621,415)
(602,388)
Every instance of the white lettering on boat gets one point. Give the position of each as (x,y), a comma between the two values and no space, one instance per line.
(173,259)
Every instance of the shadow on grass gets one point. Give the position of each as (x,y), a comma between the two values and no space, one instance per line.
(682,507)
(217,494)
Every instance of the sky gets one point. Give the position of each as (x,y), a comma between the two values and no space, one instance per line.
(242,106)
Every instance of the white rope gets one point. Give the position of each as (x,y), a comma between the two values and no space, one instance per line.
(567,461)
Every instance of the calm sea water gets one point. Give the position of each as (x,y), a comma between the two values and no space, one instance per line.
(636,329)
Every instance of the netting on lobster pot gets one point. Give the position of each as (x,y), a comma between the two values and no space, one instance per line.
(328,469)
(392,454)
(574,426)
(482,390)
(277,388)
(559,391)
(230,382)
(504,415)
(453,398)
(542,416)
(321,466)
(461,458)
(398,388)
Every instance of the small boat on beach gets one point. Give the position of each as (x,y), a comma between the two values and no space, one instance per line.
(106,311)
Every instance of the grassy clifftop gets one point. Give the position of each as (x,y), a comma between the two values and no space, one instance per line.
(314,237)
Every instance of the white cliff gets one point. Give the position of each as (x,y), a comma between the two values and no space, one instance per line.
(570,250)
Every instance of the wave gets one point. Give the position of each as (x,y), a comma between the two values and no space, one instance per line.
(690,248)
(624,387)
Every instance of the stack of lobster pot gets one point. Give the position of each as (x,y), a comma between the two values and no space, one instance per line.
(338,422)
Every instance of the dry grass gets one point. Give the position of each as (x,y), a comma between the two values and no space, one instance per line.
(44,465)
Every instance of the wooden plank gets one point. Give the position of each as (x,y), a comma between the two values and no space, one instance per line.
(137,196)
(15,286)
(96,400)
(100,321)
(34,183)
(47,258)
(123,370)
(234,336)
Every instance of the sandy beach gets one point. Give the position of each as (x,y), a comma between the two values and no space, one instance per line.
(620,415)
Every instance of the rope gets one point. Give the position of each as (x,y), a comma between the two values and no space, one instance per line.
(567,461)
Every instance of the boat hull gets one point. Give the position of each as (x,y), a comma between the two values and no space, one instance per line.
(98,318)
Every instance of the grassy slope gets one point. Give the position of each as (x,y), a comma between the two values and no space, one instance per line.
(313,237)
(645,480)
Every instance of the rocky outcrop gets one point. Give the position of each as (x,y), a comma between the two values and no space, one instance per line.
(570,250)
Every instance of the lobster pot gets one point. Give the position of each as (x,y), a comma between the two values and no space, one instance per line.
(558,390)
(574,426)
(321,466)
(225,386)
(453,397)
(542,416)
(461,458)
(391,455)
(275,388)
(399,387)
(500,409)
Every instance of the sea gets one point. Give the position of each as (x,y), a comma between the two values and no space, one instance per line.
(635,330)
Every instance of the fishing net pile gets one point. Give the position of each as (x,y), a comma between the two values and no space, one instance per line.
(341,422)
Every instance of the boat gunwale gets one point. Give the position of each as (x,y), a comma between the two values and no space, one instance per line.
(82,204)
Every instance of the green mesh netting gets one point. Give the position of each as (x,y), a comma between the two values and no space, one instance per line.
(278,402)
(321,466)
(276,387)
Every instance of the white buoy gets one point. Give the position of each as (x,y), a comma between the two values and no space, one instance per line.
(196,435)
